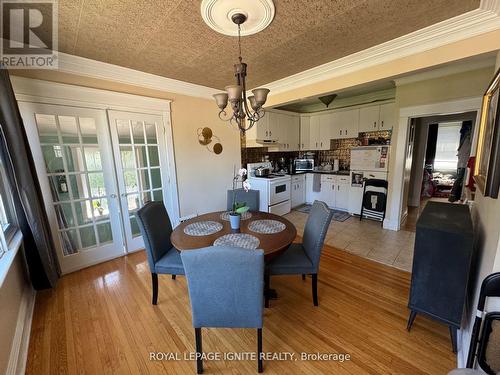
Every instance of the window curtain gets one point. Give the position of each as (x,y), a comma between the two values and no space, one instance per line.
(28,202)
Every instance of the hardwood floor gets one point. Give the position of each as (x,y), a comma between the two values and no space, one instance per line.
(100,320)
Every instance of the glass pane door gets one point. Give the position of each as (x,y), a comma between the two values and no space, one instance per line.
(73,155)
(137,144)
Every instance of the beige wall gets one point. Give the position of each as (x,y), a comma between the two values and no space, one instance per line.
(486,216)
(460,85)
(442,89)
(11,294)
(202,176)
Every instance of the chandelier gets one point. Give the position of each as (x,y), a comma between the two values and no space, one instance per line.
(245,112)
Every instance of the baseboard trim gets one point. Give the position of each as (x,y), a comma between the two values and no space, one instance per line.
(391,225)
(20,343)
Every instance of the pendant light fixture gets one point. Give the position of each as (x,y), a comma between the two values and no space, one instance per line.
(245,111)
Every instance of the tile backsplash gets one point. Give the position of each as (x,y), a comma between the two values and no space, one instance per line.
(339,149)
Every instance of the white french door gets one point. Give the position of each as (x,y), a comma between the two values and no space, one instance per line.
(72,151)
(96,168)
(138,146)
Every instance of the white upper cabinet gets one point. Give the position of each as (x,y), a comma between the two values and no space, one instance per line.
(346,124)
(388,118)
(314,139)
(285,130)
(289,132)
(368,118)
(305,130)
(294,137)
(325,131)
(377,117)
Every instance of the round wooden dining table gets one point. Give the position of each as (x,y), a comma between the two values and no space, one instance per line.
(272,244)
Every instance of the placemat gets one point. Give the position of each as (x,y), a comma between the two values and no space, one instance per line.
(246,241)
(202,228)
(244,215)
(266,226)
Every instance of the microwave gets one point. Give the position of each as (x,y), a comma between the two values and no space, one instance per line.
(304,164)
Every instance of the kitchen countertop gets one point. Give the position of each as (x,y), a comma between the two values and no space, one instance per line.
(338,173)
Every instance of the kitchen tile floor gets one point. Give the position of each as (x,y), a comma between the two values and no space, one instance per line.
(367,239)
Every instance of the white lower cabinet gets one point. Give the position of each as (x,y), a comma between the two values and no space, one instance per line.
(311,195)
(342,193)
(334,190)
(327,193)
(298,190)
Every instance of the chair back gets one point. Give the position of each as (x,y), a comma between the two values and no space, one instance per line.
(490,287)
(251,197)
(315,231)
(226,286)
(156,228)
(488,357)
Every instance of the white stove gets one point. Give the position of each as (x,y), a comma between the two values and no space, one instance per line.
(274,189)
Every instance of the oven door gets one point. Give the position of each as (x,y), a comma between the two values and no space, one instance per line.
(279,191)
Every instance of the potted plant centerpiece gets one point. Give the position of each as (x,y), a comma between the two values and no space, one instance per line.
(238,208)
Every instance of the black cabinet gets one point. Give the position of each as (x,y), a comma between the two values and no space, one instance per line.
(441,264)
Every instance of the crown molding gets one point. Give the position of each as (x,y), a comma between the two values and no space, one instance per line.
(100,70)
(478,21)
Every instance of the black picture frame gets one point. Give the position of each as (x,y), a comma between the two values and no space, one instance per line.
(487,169)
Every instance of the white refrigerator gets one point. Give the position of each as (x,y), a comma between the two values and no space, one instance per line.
(366,162)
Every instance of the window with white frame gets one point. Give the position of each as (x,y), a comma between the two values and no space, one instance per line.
(448,140)
(7,216)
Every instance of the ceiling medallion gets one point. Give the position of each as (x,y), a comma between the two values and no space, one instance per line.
(218,15)
(245,113)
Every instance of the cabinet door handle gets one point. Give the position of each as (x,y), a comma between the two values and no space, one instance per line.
(345,132)
(375,124)
(338,187)
(270,133)
(267,133)
(382,124)
(340,132)
(321,144)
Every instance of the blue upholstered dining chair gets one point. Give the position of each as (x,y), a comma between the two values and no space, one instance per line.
(156,228)
(226,290)
(303,258)
(251,197)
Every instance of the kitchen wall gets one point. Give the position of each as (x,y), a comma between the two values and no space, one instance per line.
(339,149)
(202,176)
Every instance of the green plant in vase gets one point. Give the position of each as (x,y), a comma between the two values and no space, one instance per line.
(238,208)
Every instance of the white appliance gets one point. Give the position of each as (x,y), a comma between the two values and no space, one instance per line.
(366,162)
(275,190)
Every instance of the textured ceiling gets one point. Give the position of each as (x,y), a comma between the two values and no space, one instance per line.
(169,37)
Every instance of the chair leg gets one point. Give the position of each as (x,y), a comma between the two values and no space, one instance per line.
(199,351)
(267,282)
(260,368)
(173,277)
(303,276)
(315,288)
(154,280)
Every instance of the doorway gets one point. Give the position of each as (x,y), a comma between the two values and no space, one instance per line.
(96,168)
(435,170)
